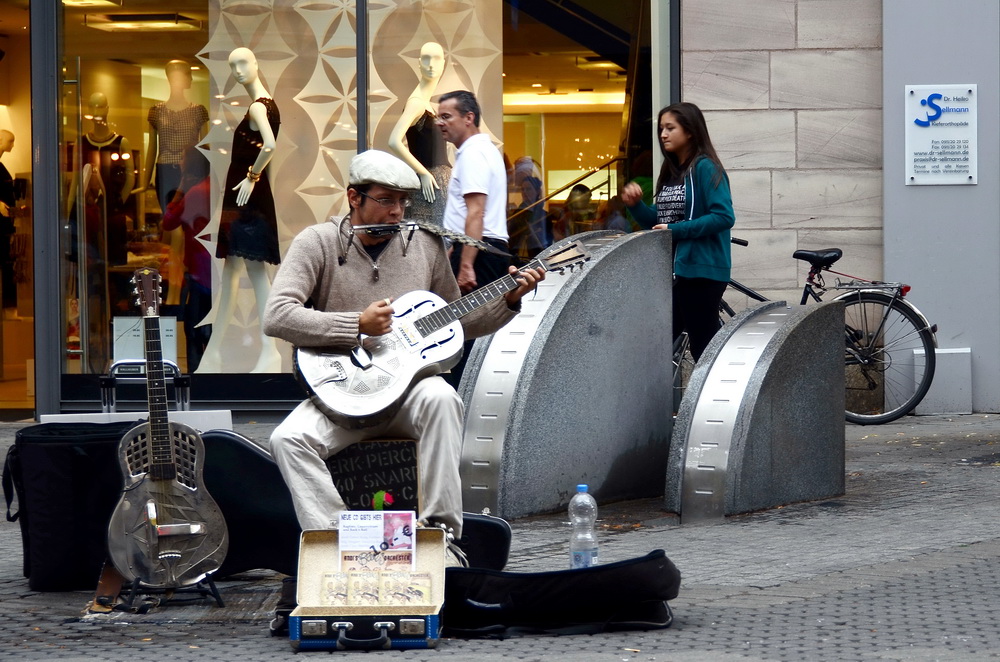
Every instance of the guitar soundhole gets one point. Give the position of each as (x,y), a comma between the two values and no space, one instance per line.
(361,388)
(137,455)
(383,381)
(186,456)
(394,363)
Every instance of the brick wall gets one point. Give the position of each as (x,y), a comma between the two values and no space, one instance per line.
(792,92)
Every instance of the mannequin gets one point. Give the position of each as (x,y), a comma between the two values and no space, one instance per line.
(110,156)
(248,229)
(7,205)
(417,141)
(174,125)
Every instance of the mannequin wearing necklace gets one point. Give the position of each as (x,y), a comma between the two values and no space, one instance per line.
(248,228)
(110,157)
(417,141)
(174,125)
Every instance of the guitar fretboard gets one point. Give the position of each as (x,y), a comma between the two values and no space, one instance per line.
(439,319)
(162,466)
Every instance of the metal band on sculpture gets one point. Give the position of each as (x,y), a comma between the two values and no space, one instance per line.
(706,460)
(569,391)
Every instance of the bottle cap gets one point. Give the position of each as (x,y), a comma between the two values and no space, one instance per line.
(582,487)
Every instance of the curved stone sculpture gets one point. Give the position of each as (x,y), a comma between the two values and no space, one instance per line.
(577,388)
(762,421)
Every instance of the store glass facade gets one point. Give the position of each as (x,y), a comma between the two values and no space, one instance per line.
(17,320)
(150,147)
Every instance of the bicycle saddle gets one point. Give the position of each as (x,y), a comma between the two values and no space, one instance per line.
(819,259)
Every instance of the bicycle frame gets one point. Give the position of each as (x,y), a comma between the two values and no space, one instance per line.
(898,291)
(873,333)
(815,288)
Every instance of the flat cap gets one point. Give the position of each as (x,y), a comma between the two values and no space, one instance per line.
(384,169)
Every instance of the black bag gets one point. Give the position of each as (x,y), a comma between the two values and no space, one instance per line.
(625,595)
(247,486)
(67,479)
(485,541)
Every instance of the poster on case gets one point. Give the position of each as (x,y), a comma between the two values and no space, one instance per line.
(941,123)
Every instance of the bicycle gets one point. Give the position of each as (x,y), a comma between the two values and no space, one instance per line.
(889,344)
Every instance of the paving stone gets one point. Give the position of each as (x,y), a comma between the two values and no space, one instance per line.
(904,566)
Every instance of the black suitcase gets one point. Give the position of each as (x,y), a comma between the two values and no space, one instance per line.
(67,481)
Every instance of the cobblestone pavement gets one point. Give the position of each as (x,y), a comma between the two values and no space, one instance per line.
(904,566)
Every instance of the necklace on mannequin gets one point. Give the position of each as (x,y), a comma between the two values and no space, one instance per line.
(101,142)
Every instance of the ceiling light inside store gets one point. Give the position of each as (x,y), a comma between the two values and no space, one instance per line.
(92,3)
(140,22)
(593,101)
(593,63)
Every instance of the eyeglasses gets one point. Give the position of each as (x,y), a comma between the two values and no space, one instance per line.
(444,118)
(388,203)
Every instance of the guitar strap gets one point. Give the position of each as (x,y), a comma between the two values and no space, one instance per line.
(457,237)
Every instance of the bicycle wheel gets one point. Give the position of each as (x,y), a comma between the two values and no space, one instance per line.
(889,358)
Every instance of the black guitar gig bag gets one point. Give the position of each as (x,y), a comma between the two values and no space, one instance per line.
(626,595)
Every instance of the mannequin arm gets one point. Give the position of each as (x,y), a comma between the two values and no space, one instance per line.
(258,116)
(413,110)
(71,194)
(129,170)
(146,175)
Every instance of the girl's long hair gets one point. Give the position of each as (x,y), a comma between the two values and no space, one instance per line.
(691,119)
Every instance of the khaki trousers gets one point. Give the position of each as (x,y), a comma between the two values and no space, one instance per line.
(432,414)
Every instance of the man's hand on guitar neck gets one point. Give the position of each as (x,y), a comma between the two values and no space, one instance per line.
(527,280)
(376,319)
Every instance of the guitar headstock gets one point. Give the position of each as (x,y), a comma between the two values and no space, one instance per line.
(147,291)
(564,257)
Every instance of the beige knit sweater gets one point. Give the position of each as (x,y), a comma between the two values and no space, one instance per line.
(311,272)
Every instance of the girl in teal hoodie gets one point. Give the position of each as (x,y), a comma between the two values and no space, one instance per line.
(693,201)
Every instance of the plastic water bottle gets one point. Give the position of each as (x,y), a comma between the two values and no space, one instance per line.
(583,542)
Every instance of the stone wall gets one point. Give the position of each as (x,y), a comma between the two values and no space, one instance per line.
(792,92)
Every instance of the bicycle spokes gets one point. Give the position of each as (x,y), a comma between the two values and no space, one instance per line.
(889,357)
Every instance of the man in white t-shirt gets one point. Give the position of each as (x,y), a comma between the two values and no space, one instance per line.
(477,192)
(477,199)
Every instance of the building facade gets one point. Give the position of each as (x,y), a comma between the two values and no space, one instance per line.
(803,100)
